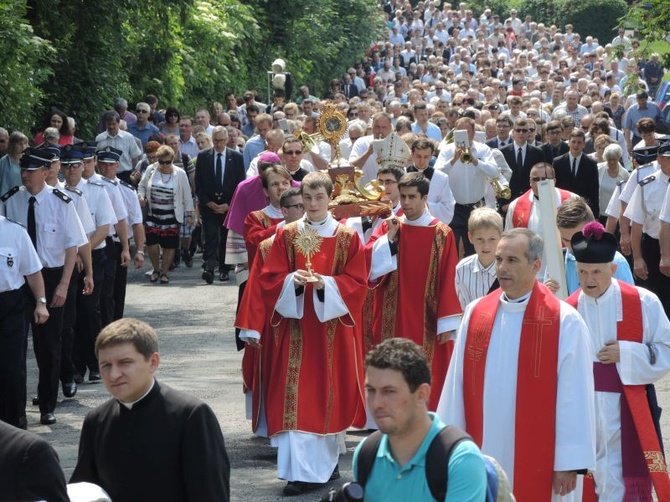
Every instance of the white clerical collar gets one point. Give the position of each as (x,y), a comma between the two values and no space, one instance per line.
(422,221)
(396,208)
(130,405)
(273,212)
(325,228)
(520,300)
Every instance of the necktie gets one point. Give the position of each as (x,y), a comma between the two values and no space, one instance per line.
(219,173)
(574,167)
(519,159)
(32,226)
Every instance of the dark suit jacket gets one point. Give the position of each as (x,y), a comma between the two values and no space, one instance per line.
(168,447)
(494,143)
(549,154)
(351,92)
(29,467)
(519,183)
(205,182)
(586,183)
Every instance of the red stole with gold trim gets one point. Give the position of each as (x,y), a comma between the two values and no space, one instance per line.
(630,328)
(535,427)
(523,206)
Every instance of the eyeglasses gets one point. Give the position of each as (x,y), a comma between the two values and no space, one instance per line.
(388,182)
(554,132)
(297,206)
(293,152)
(141,111)
(353,115)
(523,131)
(165,162)
(71,166)
(540,178)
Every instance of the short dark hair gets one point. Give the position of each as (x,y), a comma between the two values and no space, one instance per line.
(289,194)
(397,172)
(128,330)
(403,355)
(111,115)
(317,180)
(276,169)
(573,212)
(417,180)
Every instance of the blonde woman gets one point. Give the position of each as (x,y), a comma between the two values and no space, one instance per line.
(165,191)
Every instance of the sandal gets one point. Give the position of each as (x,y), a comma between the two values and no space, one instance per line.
(154,276)
(165,279)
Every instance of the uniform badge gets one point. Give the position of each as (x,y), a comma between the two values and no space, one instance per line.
(10,261)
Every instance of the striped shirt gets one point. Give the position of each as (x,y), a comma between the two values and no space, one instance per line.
(473,280)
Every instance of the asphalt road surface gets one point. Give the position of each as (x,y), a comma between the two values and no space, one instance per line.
(198,356)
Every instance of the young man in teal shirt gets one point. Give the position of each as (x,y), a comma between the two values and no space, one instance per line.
(397,383)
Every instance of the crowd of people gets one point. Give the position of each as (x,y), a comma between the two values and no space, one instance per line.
(497,141)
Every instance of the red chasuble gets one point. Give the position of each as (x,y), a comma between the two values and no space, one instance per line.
(258,226)
(316,380)
(524,205)
(535,427)
(630,328)
(410,300)
(253,315)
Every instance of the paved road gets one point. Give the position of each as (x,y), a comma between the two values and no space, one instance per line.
(198,356)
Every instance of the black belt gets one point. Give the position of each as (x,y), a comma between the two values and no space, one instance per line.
(12,292)
(469,206)
(647,236)
(97,252)
(52,269)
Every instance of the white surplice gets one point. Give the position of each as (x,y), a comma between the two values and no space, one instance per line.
(575,416)
(601,316)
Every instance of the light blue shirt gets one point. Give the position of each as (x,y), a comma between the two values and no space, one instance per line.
(623,272)
(388,482)
(10,175)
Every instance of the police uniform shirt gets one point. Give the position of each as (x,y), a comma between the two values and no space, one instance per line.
(132,203)
(99,205)
(112,189)
(18,257)
(468,182)
(645,205)
(634,180)
(81,205)
(57,225)
(665,208)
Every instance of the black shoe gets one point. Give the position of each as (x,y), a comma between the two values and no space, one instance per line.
(47,418)
(23,423)
(94,376)
(78,378)
(297,488)
(186,256)
(336,473)
(223,276)
(69,389)
(208,276)
(36,401)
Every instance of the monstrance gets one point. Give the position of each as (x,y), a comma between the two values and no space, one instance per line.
(308,243)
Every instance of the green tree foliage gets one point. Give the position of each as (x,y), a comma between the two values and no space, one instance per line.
(543,11)
(652,20)
(78,55)
(598,18)
(24,68)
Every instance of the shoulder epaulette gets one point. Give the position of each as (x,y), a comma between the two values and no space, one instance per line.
(95,183)
(620,182)
(16,222)
(73,190)
(9,194)
(109,181)
(647,180)
(62,195)
(127,185)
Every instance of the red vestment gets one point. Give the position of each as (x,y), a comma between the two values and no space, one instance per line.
(316,379)
(410,300)
(535,427)
(258,226)
(523,207)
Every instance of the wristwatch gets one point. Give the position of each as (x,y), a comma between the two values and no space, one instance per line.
(41,299)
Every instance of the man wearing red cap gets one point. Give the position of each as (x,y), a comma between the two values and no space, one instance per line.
(630,347)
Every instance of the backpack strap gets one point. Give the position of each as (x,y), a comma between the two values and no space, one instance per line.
(366,457)
(437,458)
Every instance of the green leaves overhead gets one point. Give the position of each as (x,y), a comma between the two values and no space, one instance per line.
(79,55)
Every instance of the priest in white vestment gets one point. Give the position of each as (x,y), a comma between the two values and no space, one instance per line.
(603,302)
(501,410)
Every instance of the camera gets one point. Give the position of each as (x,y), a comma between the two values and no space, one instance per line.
(348,492)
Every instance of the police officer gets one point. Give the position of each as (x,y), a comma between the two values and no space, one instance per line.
(18,258)
(86,322)
(134,222)
(116,243)
(56,233)
(643,211)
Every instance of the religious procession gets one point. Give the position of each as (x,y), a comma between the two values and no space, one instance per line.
(461,251)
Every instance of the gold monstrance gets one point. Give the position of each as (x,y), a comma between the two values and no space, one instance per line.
(308,243)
